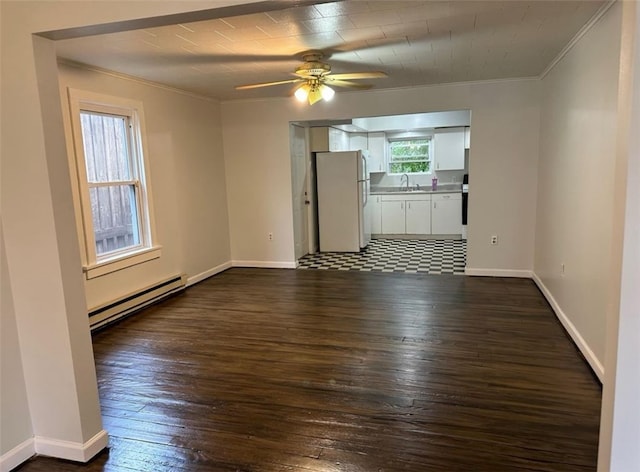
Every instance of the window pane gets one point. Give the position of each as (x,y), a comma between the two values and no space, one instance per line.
(105,147)
(410,149)
(115,217)
(410,156)
(409,167)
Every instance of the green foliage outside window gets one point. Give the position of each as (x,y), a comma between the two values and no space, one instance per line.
(410,156)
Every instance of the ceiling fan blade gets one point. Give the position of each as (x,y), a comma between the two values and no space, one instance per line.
(267,84)
(359,75)
(344,83)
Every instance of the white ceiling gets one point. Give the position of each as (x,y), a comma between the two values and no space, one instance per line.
(414,42)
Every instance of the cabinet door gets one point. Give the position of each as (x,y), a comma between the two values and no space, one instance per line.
(418,217)
(377,152)
(376,214)
(319,139)
(392,220)
(446,214)
(338,140)
(358,141)
(449,149)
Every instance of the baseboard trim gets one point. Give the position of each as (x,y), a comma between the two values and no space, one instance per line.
(72,451)
(586,351)
(16,456)
(523,274)
(207,273)
(265,264)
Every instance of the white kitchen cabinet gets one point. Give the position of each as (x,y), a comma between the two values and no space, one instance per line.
(338,140)
(325,138)
(446,213)
(377,152)
(467,138)
(405,214)
(449,149)
(358,141)
(418,217)
(376,214)
(392,219)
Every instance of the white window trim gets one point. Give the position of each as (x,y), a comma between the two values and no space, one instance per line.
(409,137)
(93,265)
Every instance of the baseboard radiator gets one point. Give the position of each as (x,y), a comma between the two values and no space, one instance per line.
(110,312)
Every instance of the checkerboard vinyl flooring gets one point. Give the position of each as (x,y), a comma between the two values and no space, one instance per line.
(433,256)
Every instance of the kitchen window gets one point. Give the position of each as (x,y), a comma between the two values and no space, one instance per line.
(114,194)
(410,156)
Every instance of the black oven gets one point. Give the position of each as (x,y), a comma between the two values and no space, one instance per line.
(465,198)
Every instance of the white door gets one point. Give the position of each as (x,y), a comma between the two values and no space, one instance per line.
(299,190)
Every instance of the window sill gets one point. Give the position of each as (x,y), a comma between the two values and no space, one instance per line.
(121,262)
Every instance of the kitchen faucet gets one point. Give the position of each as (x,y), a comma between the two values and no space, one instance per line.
(404,176)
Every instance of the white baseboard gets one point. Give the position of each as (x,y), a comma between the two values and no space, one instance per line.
(16,456)
(266,264)
(71,450)
(207,273)
(523,274)
(586,351)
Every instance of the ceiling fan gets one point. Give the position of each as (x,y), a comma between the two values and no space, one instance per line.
(314,78)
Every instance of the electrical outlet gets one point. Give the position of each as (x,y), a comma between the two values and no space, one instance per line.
(494,239)
(270,236)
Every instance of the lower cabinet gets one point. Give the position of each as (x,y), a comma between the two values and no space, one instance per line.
(437,214)
(418,217)
(402,214)
(376,214)
(393,216)
(446,213)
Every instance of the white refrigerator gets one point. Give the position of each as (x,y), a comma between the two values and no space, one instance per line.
(343,194)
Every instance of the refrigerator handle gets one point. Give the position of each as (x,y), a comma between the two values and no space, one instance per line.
(364,166)
(365,191)
(366,177)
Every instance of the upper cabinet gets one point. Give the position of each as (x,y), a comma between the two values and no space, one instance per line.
(449,149)
(377,152)
(467,138)
(324,138)
(358,141)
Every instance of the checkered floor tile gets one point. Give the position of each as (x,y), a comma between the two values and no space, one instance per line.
(433,256)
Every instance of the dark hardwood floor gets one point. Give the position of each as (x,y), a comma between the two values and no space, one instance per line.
(318,371)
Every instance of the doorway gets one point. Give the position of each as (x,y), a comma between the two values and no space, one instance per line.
(415,205)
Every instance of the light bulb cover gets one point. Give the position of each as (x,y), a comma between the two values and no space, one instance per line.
(327,92)
(302,93)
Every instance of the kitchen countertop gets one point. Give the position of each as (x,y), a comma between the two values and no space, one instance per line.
(444,188)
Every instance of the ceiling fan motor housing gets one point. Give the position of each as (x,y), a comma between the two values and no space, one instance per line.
(314,68)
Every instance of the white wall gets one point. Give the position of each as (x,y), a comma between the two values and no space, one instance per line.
(42,251)
(186,172)
(15,427)
(503,162)
(620,416)
(576,182)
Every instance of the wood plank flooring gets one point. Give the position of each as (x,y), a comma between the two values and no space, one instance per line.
(319,371)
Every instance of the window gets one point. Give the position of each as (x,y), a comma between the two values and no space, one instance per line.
(114,195)
(410,156)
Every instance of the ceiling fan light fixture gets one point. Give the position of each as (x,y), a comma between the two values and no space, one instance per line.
(314,95)
(302,92)
(327,92)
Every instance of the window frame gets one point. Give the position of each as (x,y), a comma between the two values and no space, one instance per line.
(95,265)
(410,137)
